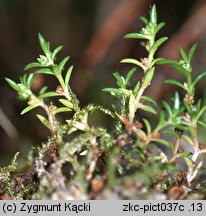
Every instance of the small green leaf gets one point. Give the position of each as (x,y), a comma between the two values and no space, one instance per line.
(156,61)
(125,91)
(148,126)
(132,61)
(44,71)
(157,44)
(63,62)
(120,79)
(135,36)
(43,90)
(129,75)
(149,99)
(148,77)
(56,51)
(44,45)
(185,154)
(191,52)
(29,80)
(188,139)
(113,91)
(171,132)
(12,84)
(14,159)
(31,65)
(188,161)
(183,55)
(176,65)
(202,123)
(176,101)
(165,143)
(167,108)
(200,113)
(61,109)
(159,27)
(148,109)
(44,121)
(48,94)
(136,88)
(153,14)
(161,118)
(174,82)
(68,75)
(27,109)
(198,78)
(66,103)
(144,20)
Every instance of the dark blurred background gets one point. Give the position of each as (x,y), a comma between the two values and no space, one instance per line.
(92,34)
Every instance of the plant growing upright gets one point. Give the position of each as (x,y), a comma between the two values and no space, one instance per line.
(97,161)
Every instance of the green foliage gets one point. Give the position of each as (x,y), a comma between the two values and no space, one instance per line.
(134,149)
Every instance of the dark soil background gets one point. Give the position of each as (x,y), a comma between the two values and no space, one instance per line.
(92,34)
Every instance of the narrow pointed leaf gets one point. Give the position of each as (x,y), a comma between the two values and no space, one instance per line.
(44,121)
(66,103)
(63,62)
(125,91)
(200,113)
(188,139)
(198,78)
(56,51)
(27,109)
(48,94)
(68,75)
(149,99)
(156,61)
(176,101)
(176,65)
(174,82)
(202,123)
(135,36)
(171,132)
(148,109)
(43,90)
(133,61)
(144,20)
(191,52)
(185,154)
(188,161)
(161,118)
(113,91)
(167,108)
(166,143)
(129,75)
(31,65)
(148,126)
(157,44)
(159,27)
(136,88)
(148,77)
(12,84)
(44,71)
(29,80)
(61,109)
(120,79)
(153,14)
(43,44)
(183,54)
